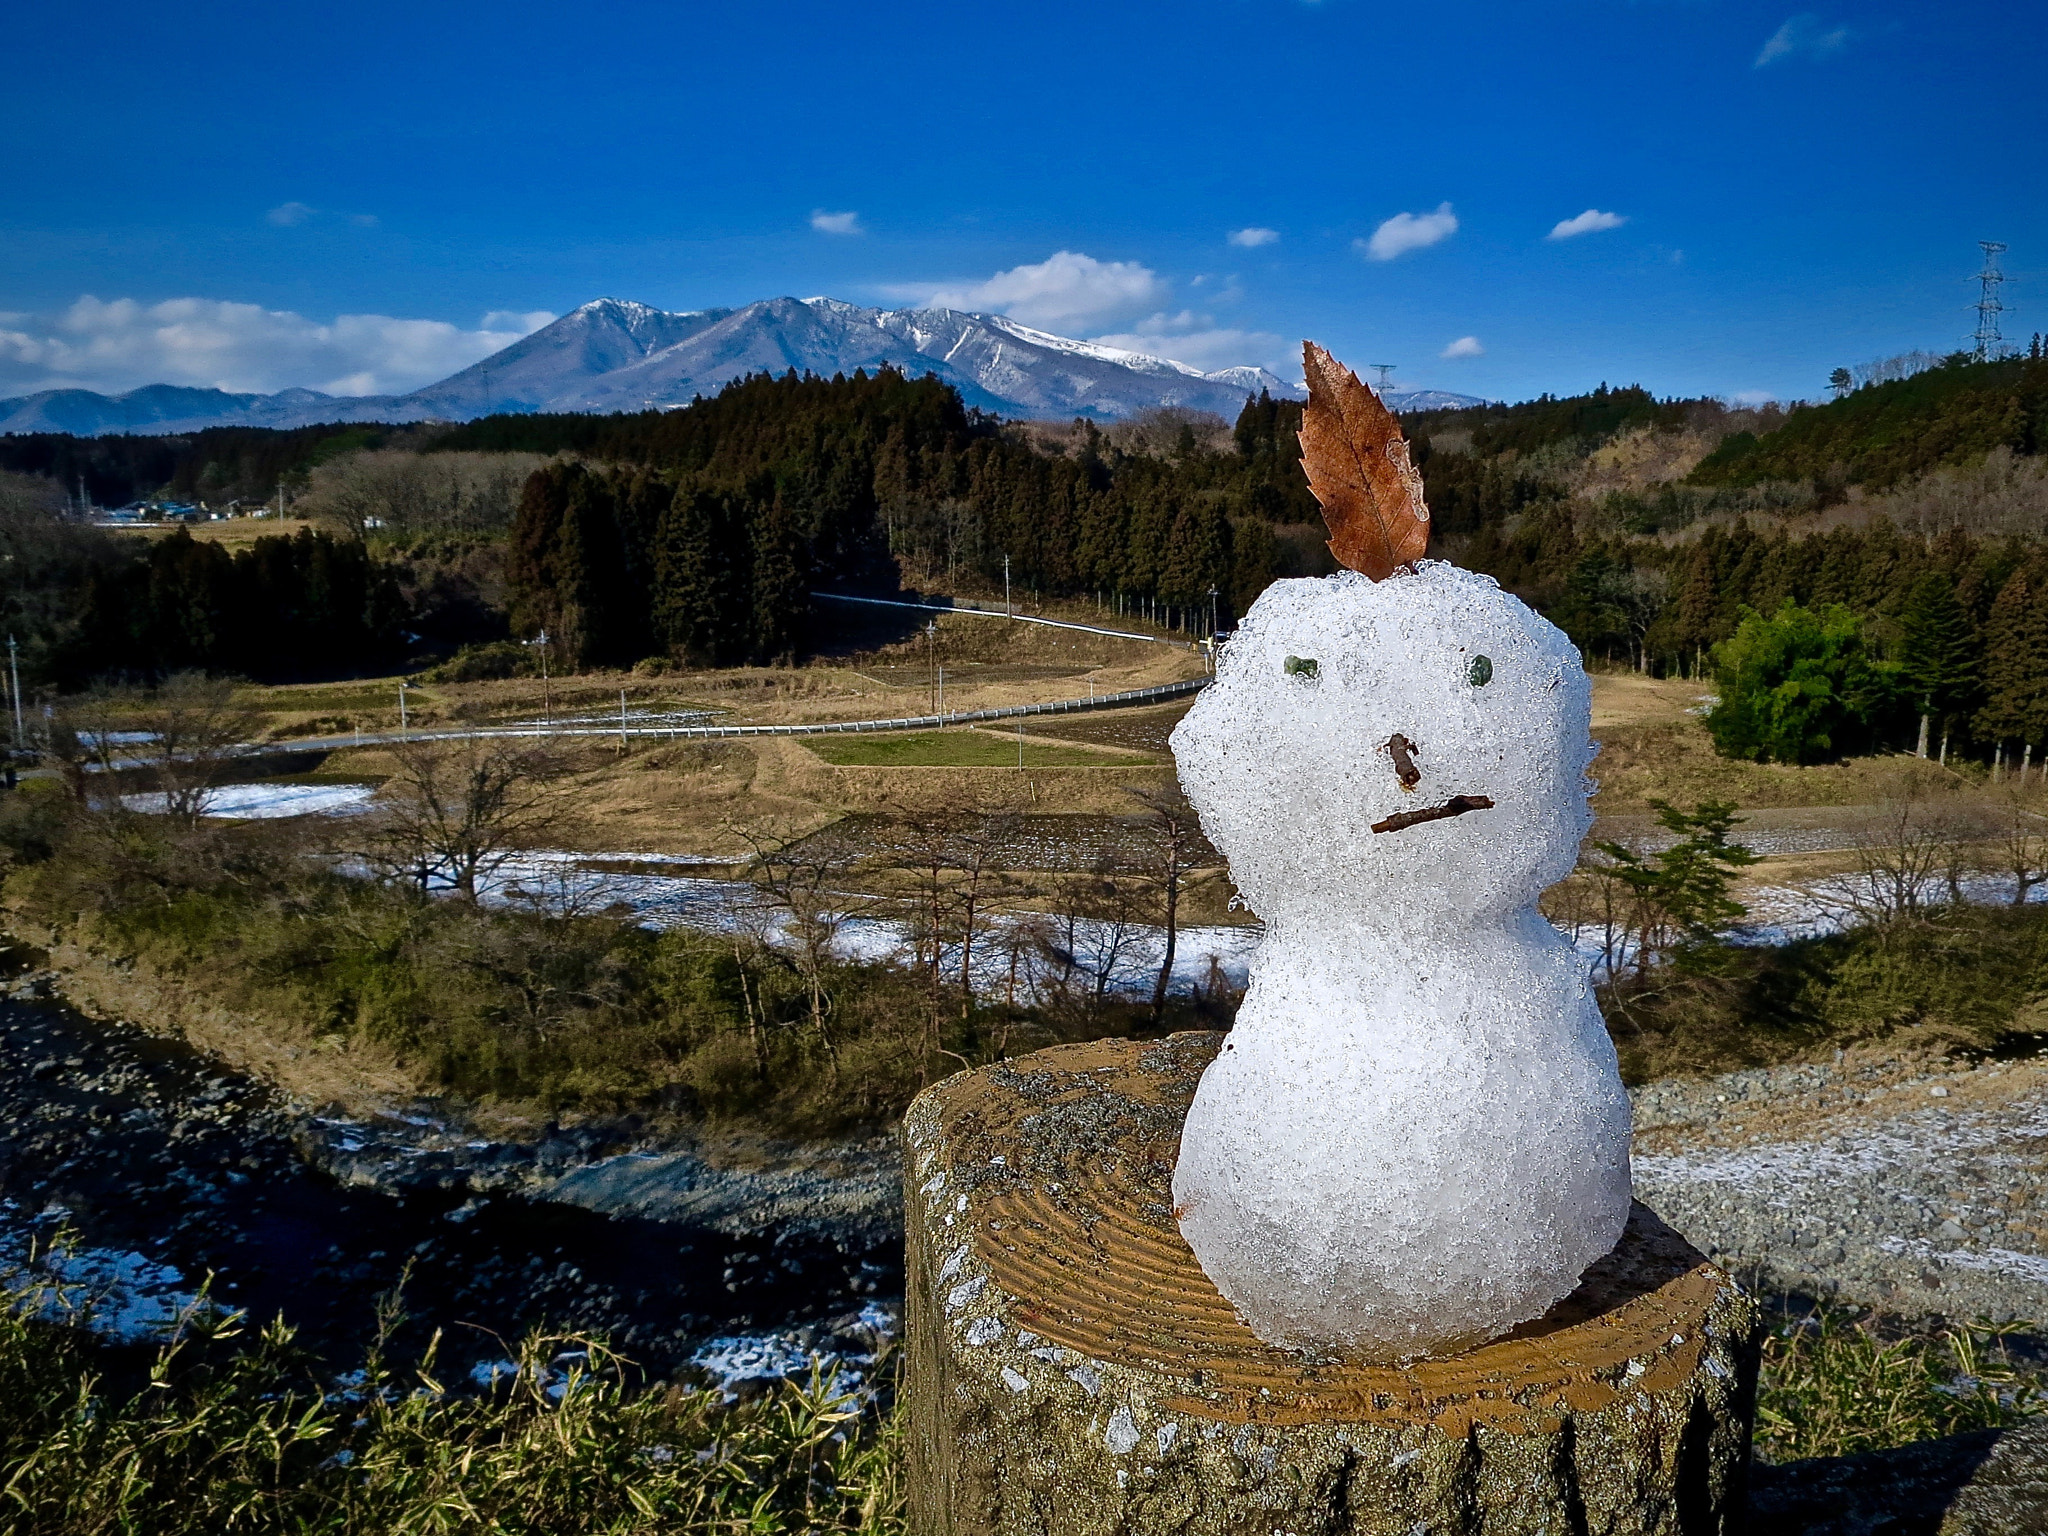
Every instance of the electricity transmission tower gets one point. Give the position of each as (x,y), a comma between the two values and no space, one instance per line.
(1989,339)
(1386,369)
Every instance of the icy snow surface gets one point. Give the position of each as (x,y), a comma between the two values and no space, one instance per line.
(796,1354)
(259,802)
(112,1292)
(1416,1137)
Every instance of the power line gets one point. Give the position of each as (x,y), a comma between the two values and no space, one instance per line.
(1989,339)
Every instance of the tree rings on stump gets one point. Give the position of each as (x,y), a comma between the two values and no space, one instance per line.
(1072,1372)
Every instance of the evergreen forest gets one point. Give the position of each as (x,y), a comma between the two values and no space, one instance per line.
(1867,572)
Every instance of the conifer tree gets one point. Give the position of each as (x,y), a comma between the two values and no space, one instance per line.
(530,575)
(2016,663)
(1938,657)
(703,579)
(781,595)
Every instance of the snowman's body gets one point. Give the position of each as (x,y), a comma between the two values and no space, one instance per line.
(1416,1136)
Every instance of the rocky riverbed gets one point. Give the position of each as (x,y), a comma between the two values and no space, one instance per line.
(169,1169)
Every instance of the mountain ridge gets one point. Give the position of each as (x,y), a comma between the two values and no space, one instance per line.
(620,355)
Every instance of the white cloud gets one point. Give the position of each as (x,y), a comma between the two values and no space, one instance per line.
(1752,397)
(1803,36)
(847,223)
(1409,232)
(1253,237)
(1592,221)
(522,321)
(1066,289)
(120,344)
(291,215)
(1464,346)
(1197,341)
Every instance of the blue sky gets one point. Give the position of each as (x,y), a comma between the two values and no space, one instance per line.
(367,198)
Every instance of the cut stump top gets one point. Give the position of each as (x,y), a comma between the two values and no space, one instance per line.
(1058,1168)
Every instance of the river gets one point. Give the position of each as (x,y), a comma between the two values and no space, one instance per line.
(167,1169)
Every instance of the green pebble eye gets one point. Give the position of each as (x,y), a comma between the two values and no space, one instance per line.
(1481,672)
(1301,666)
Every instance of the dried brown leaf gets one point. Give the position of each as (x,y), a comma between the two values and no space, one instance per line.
(1357,463)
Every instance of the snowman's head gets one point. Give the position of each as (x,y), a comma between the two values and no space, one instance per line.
(1414,748)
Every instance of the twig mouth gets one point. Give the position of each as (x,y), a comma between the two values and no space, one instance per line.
(1457,805)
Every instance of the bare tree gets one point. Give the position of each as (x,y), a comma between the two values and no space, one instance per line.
(1594,903)
(1092,930)
(403,493)
(2016,839)
(185,735)
(457,812)
(806,886)
(952,853)
(1175,837)
(1908,862)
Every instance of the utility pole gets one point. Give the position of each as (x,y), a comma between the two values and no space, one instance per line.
(1212,613)
(404,725)
(622,722)
(1008,611)
(547,687)
(14,680)
(1988,337)
(931,656)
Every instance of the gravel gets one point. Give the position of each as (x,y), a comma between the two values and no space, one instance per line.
(1910,1185)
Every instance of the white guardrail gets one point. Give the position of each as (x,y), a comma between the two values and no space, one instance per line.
(964,605)
(1136,696)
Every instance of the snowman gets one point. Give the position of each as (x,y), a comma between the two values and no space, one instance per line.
(1416,1137)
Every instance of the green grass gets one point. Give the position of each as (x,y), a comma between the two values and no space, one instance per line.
(323,700)
(1835,1385)
(958,749)
(230,1429)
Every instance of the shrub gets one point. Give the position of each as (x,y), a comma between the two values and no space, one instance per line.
(490,662)
(1796,687)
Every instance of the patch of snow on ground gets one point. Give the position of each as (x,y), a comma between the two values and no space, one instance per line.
(263,802)
(793,1355)
(111,1292)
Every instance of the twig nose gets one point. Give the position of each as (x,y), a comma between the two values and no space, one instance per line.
(1403,751)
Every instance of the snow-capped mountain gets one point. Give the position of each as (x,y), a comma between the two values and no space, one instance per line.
(1412,401)
(614,355)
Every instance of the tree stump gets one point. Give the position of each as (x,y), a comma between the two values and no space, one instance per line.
(1072,1372)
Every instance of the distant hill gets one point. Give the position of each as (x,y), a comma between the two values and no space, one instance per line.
(1884,434)
(166,408)
(615,355)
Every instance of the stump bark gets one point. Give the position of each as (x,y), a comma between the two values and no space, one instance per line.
(1072,1372)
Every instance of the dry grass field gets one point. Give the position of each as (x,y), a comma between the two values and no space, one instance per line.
(697,796)
(229,531)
